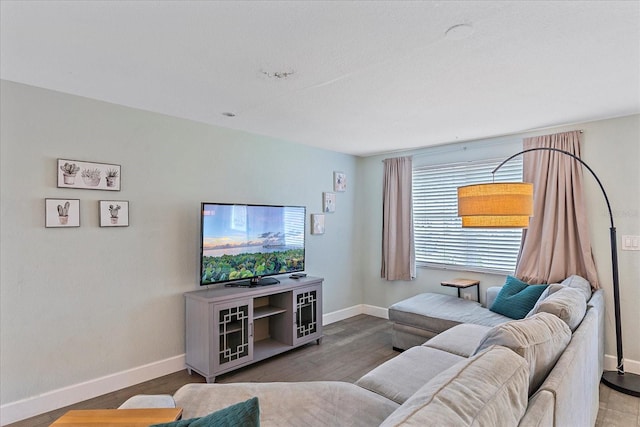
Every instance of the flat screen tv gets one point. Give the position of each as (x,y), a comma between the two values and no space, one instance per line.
(241,244)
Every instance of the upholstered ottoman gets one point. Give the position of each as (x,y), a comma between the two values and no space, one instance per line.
(419,318)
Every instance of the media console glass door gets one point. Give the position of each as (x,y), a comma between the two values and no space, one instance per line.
(307,312)
(233,323)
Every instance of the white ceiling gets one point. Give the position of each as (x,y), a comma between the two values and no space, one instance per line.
(367,77)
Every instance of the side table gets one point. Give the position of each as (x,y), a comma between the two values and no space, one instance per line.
(118,417)
(462,284)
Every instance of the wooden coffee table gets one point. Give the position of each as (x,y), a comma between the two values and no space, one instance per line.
(118,417)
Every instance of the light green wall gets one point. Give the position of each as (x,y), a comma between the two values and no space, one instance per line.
(82,303)
(610,147)
(78,304)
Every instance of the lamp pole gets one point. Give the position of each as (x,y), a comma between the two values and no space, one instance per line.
(618,380)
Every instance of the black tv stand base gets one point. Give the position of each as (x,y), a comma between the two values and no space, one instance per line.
(254,283)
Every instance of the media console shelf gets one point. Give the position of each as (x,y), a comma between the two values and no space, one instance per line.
(228,328)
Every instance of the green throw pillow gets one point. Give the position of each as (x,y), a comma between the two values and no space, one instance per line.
(516,298)
(245,414)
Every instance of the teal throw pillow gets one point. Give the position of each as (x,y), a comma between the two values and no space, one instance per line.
(245,414)
(516,298)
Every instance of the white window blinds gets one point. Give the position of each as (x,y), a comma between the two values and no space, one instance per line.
(440,240)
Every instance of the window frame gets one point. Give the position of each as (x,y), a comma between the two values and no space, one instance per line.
(444,179)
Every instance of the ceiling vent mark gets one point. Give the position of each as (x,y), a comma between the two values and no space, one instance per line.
(278,75)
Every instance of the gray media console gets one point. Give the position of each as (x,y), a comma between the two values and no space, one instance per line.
(228,328)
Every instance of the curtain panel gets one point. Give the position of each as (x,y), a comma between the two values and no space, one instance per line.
(557,243)
(398,252)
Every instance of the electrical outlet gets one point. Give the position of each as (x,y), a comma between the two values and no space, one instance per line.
(466,296)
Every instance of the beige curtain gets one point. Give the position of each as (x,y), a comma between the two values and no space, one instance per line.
(557,243)
(398,253)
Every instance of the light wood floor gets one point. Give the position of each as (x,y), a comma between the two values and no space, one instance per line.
(350,348)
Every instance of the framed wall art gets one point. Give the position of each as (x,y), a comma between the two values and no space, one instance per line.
(339,181)
(114,213)
(328,202)
(317,223)
(62,213)
(88,175)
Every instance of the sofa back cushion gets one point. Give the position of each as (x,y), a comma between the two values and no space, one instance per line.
(579,283)
(488,389)
(539,339)
(567,304)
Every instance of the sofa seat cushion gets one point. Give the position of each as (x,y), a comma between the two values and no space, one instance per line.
(438,312)
(309,404)
(540,339)
(462,340)
(399,378)
(489,389)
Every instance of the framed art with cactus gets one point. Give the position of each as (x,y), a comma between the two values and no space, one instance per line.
(88,175)
(62,213)
(317,223)
(114,213)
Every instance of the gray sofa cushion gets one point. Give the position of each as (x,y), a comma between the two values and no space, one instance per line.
(568,304)
(398,378)
(550,290)
(461,339)
(540,339)
(580,284)
(438,312)
(470,393)
(309,404)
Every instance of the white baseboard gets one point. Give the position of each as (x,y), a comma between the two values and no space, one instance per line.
(372,310)
(345,313)
(631,366)
(49,401)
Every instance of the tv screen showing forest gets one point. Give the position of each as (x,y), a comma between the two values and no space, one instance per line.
(245,241)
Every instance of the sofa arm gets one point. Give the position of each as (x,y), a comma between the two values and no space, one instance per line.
(492,293)
(540,410)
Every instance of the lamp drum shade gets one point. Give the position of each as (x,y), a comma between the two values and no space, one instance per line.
(503,205)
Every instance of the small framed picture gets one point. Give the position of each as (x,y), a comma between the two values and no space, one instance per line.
(88,175)
(328,202)
(317,223)
(114,213)
(62,213)
(339,181)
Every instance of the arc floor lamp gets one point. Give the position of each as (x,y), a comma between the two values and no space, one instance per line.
(510,204)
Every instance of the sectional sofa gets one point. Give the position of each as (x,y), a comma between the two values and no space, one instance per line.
(543,370)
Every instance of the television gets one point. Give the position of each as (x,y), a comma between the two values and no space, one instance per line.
(242,244)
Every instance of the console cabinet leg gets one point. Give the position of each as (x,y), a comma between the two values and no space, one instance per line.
(211,380)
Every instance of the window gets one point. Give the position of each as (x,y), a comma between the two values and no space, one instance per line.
(440,240)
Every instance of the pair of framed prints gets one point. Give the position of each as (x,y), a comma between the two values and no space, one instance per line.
(66,213)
